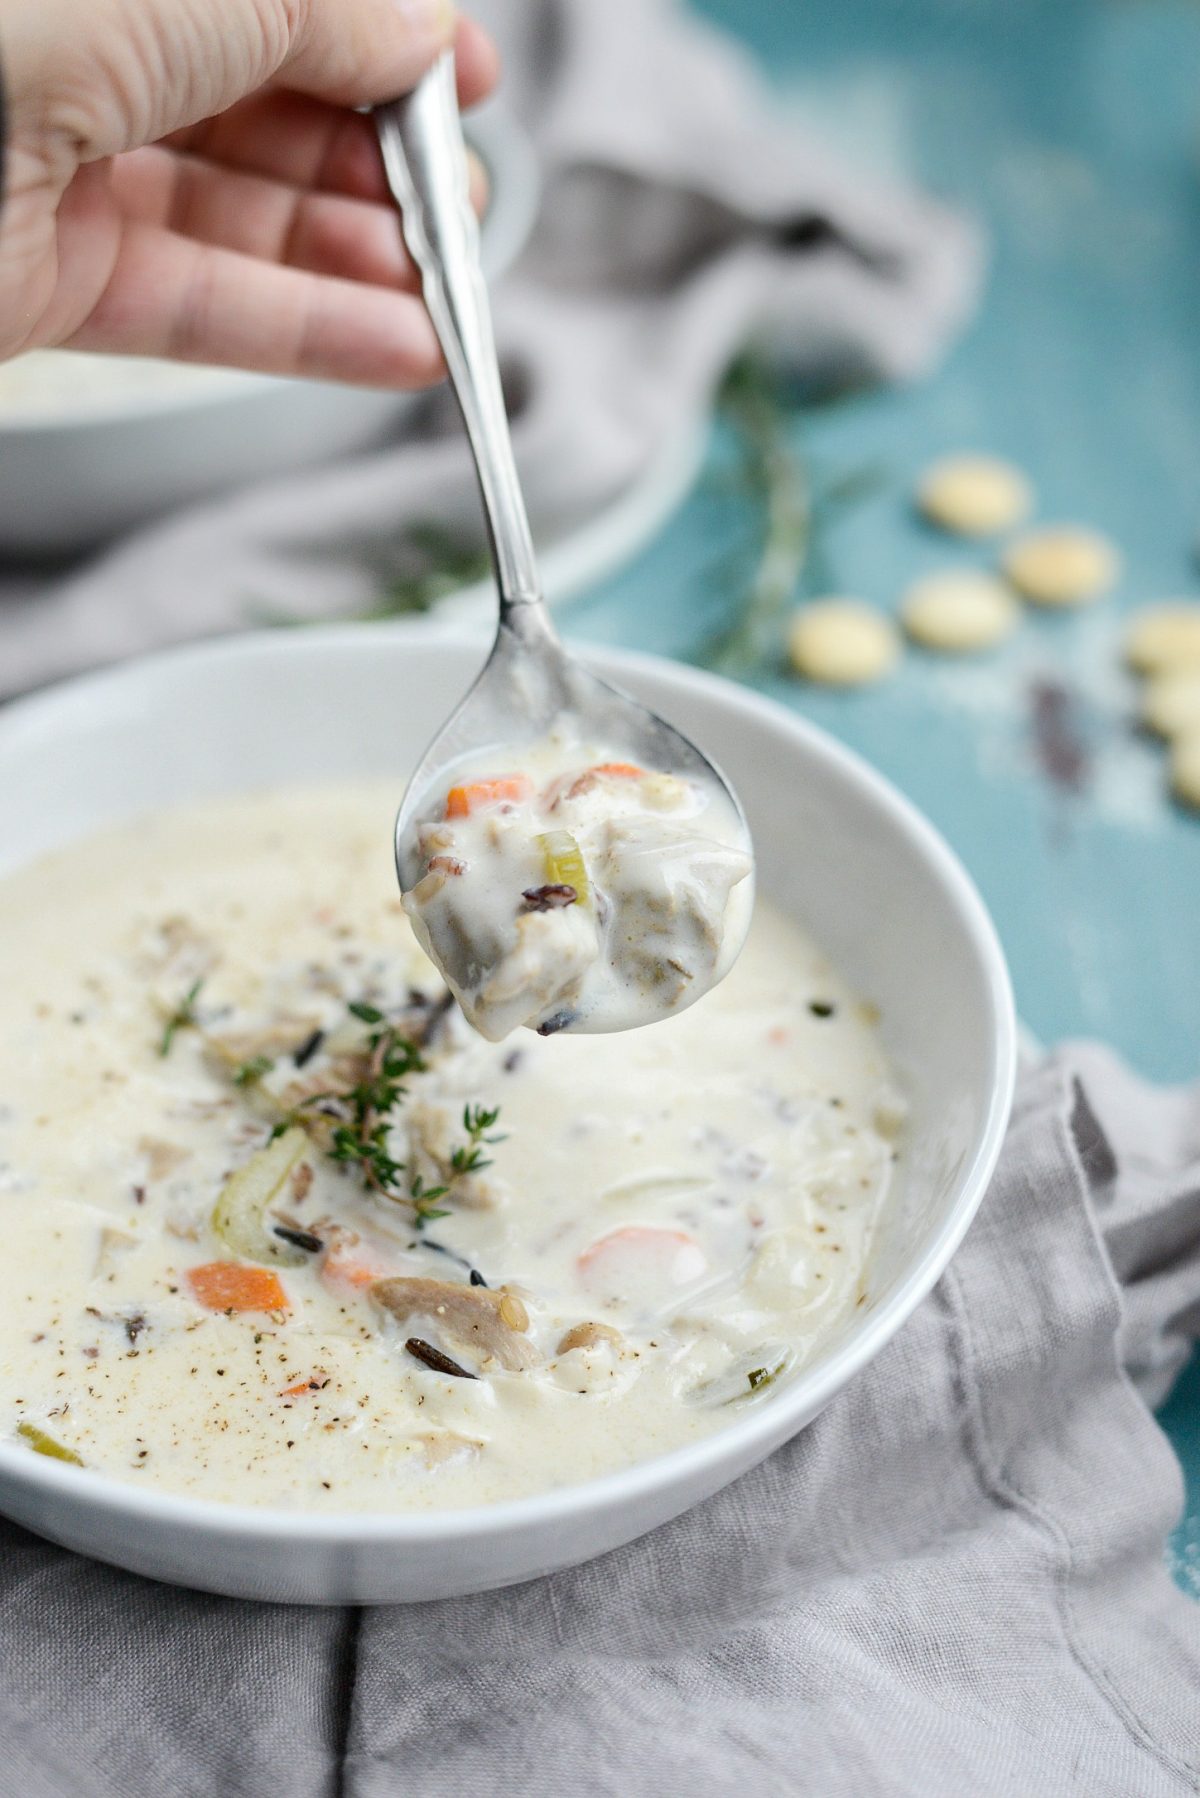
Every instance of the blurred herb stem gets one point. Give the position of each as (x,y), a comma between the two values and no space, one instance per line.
(791,501)
(772,476)
(433,561)
(442,563)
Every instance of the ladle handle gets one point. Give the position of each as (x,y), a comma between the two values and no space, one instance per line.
(426,164)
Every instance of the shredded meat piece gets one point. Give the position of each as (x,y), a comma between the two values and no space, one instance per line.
(301,1179)
(490,1323)
(180,953)
(162,1158)
(273,1040)
(439,1446)
(337,1075)
(111,1245)
(589,1335)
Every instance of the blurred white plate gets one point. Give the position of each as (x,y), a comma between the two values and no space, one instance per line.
(83,459)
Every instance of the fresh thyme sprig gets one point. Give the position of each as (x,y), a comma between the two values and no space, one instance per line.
(367,1111)
(793,506)
(440,563)
(430,563)
(182,1018)
(469,1157)
(362,1137)
(775,478)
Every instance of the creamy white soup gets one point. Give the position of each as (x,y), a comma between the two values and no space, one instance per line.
(282,1229)
(564,888)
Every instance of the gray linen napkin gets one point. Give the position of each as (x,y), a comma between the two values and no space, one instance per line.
(952,1583)
(681,212)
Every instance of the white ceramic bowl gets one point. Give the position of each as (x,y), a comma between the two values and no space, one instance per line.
(74,475)
(837,846)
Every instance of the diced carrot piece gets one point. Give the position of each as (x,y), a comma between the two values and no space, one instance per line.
(615,770)
(640,1258)
(315,1382)
(351,1266)
(508,789)
(228,1286)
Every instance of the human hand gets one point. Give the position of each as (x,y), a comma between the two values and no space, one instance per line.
(184,179)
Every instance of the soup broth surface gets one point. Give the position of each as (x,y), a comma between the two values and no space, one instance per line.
(281,1229)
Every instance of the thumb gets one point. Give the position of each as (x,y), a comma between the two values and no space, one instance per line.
(357,52)
(114,75)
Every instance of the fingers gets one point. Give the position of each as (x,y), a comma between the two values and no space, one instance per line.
(359,52)
(293,138)
(476,62)
(171,296)
(290,137)
(326,233)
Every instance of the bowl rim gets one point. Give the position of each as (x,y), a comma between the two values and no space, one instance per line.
(760,1429)
(507,152)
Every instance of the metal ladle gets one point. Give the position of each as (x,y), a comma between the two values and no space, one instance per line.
(529,681)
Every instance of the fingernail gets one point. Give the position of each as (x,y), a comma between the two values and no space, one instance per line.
(431,19)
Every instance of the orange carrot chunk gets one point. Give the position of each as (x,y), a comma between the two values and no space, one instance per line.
(508,789)
(228,1286)
(585,782)
(641,1256)
(350,1266)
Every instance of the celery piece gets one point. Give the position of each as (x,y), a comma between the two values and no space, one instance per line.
(745,1376)
(239,1215)
(42,1443)
(564,863)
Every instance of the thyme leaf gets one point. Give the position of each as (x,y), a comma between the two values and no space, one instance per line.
(253,1070)
(369,1014)
(182,1018)
(423,1200)
(468,1157)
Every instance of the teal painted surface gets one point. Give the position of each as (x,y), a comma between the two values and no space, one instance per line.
(1073,130)
(1181,1420)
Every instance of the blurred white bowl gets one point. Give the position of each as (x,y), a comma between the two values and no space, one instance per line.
(90,446)
(837,847)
